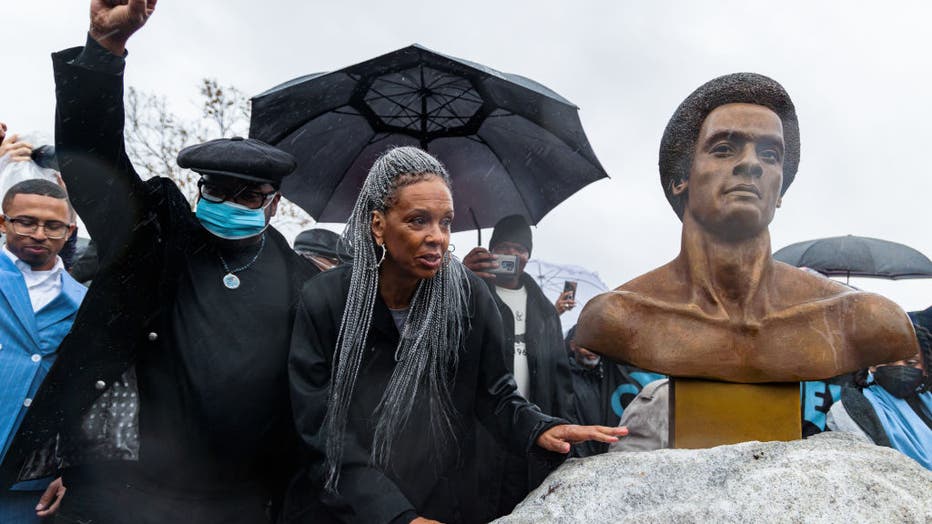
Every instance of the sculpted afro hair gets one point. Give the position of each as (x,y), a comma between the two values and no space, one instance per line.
(679,138)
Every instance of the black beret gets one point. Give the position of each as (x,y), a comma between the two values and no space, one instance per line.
(245,158)
(513,228)
(319,241)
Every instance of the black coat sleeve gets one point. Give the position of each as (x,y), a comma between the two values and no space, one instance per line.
(365,494)
(103,186)
(513,420)
(562,382)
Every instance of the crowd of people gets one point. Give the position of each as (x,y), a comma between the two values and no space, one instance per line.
(208,371)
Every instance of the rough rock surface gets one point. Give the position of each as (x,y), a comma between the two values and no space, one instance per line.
(827,478)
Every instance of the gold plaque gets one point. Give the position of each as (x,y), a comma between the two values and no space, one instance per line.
(708,413)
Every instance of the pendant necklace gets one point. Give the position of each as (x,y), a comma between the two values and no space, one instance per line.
(230,280)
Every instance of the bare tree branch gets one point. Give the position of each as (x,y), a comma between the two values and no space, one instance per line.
(155,135)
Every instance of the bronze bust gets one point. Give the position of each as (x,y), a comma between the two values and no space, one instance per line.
(724,309)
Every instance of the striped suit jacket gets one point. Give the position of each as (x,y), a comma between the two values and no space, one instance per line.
(28,342)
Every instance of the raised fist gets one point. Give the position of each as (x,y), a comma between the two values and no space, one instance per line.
(113,21)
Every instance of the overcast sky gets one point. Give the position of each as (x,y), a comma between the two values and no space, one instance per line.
(858,73)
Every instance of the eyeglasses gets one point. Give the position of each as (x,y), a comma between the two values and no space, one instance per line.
(241,195)
(25,226)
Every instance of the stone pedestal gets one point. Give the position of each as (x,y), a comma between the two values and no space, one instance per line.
(826,478)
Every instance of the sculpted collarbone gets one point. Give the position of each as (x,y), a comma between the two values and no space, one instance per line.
(825,332)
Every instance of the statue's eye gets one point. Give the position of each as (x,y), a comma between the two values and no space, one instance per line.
(722,149)
(771,156)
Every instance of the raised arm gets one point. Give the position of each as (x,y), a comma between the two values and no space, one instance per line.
(103,186)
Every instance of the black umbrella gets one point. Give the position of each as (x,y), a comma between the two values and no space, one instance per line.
(857,256)
(512,145)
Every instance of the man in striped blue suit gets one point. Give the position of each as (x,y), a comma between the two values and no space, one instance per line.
(38,304)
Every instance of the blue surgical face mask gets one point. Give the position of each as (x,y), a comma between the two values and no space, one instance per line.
(230,221)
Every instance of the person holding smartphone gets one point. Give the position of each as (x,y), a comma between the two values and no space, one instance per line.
(567,299)
(534,354)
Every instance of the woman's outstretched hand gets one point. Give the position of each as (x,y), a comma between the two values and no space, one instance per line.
(560,439)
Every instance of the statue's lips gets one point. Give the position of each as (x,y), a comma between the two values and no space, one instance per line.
(744,188)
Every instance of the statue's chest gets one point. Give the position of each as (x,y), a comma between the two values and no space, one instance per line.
(687,345)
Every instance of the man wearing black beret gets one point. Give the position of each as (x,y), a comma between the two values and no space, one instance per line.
(169,398)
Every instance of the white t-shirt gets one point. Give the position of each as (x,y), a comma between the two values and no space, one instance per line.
(516,300)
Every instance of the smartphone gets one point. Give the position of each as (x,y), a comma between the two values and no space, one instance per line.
(570,286)
(507,265)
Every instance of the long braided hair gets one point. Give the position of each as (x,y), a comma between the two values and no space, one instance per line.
(427,351)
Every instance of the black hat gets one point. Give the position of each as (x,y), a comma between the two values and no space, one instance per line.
(923,318)
(319,241)
(922,321)
(239,157)
(513,228)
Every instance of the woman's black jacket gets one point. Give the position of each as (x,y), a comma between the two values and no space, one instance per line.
(423,479)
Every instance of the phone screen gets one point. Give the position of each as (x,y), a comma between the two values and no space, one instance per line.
(570,286)
(507,265)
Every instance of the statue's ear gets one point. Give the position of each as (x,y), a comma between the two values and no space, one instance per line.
(680,187)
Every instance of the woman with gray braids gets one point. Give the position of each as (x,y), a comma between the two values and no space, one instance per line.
(396,357)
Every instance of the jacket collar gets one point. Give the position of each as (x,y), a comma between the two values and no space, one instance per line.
(14,289)
(535,295)
(383,322)
(66,303)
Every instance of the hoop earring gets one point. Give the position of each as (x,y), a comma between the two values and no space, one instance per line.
(451,248)
(382,259)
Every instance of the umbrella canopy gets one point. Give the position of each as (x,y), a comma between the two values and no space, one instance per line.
(854,256)
(511,145)
(551,278)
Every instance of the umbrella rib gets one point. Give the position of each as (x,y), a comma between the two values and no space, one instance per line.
(376,93)
(385,79)
(806,251)
(505,113)
(343,112)
(461,95)
(453,79)
(388,98)
(446,105)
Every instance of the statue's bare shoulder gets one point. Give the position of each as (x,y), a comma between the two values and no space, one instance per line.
(657,318)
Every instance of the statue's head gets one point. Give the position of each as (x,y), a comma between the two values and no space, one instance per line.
(743,124)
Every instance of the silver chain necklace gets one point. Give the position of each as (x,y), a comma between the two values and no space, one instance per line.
(230,280)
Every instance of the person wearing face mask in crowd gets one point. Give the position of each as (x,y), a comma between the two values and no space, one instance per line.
(594,382)
(170,395)
(892,404)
